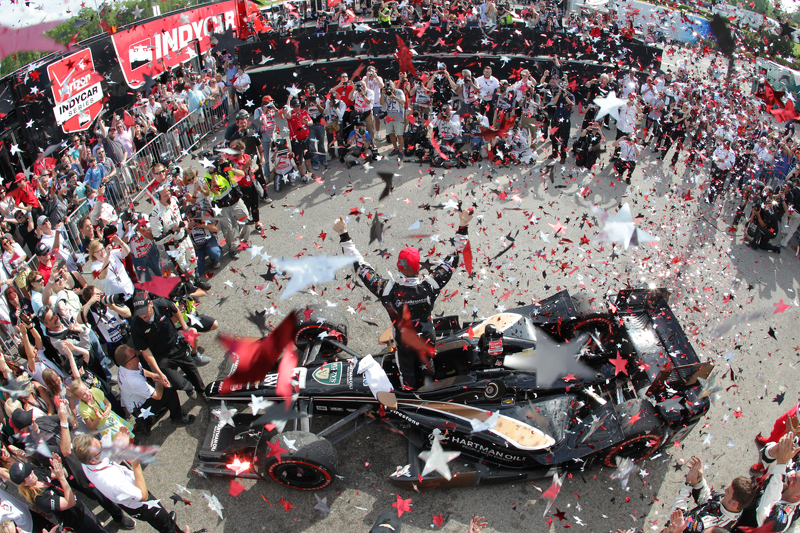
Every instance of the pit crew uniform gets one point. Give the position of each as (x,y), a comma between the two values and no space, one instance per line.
(418,293)
(226,198)
(771,508)
(166,223)
(709,509)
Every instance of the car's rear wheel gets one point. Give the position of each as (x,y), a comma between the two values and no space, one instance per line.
(636,448)
(312,466)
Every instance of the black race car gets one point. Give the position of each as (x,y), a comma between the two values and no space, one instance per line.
(524,394)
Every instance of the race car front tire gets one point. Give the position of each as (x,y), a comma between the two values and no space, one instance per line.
(312,466)
(320,319)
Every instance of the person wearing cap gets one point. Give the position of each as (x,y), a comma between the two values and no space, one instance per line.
(124,485)
(154,335)
(229,209)
(24,193)
(417,294)
(264,119)
(144,252)
(45,258)
(299,121)
(393,101)
(140,398)
(360,146)
(241,130)
(363,98)
(169,230)
(314,104)
(52,495)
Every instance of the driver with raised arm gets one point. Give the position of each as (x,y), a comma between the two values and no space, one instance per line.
(418,293)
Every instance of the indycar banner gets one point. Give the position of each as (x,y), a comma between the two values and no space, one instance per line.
(77,91)
(154,47)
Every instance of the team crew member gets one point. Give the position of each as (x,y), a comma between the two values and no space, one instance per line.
(155,335)
(628,155)
(299,121)
(57,499)
(226,197)
(123,485)
(418,293)
(138,396)
(724,158)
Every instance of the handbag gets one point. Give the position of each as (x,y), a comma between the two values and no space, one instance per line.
(753,231)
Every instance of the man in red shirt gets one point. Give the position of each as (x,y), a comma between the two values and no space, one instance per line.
(23,192)
(343,91)
(299,120)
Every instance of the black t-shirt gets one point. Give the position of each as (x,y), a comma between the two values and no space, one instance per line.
(793,199)
(251,143)
(160,335)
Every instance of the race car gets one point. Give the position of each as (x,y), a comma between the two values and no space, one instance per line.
(537,390)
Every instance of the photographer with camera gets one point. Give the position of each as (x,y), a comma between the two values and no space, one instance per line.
(264,119)
(106,315)
(468,91)
(226,200)
(360,147)
(107,266)
(299,121)
(376,85)
(504,104)
(474,126)
(563,102)
(446,126)
(335,110)
(519,141)
(587,147)
(766,218)
(284,167)
(204,235)
(441,86)
(362,98)
(629,152)
(314,104)
(393,102)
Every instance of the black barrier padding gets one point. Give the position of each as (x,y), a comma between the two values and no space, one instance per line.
(513,40)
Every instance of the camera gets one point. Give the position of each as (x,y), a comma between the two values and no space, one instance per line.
(115,299)
(25,318)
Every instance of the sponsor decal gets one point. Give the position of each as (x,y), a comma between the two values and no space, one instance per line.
(470,445)
(77,91)
(328,374)
(507,402)
(404,417)
(159,45)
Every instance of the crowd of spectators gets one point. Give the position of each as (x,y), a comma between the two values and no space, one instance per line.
(75,314)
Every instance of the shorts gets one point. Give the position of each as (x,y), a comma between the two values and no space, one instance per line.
(300,150)
(376,110)
(394,124)
(205,323)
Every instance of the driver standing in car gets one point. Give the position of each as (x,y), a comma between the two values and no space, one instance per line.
(418,293)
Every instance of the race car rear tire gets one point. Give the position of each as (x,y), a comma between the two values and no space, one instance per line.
(320,319)
(637,448)
(311,467)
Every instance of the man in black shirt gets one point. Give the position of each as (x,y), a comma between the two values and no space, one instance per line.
(154,334)
(241,129)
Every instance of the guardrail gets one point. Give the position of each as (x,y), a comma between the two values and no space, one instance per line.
(127,186)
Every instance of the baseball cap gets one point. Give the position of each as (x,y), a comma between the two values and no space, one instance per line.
(267,98)
(242,114)
(141,302)
(387,522)
(408,261)
(41,249)
(19,177)
(295,102)
(21,419)
(41,220)
(19,472)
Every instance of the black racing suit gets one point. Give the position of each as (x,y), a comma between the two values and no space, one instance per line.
(418,293)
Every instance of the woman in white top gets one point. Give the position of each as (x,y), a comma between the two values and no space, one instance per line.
(13,256)
(108,267)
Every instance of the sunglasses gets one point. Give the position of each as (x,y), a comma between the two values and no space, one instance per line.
(162,171)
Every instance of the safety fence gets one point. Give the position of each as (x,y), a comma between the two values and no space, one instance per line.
(128,184)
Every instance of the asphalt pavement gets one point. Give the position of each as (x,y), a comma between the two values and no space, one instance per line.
(712,276)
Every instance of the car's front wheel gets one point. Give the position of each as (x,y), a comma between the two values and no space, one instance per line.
(309,463)
(636,448)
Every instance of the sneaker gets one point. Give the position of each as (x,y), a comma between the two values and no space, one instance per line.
(394,152)
(314,166)
(184,420)
(126,523)
(234,254)
(267,200)
(761,441)
(214,266)
(305,177)
(351,164)
(142,430)
(325,162)
(201,283)
(189,393)
(757,469)
(200,359)
(259,226)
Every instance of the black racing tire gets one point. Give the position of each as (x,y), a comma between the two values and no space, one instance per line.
(638,448)
(311,467)
(320,319)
